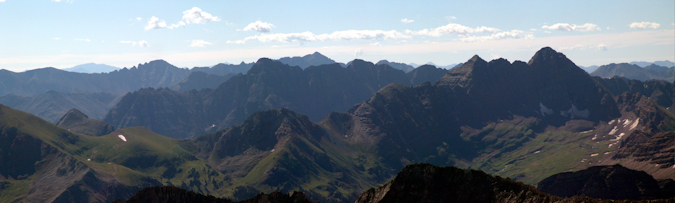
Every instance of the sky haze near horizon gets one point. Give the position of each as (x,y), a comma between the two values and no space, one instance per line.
(64,33)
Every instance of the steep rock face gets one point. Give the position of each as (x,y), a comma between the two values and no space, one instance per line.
(658,91)
(401,66)
(154,74)
(76,121)
(161,110)
(168,194)
(425,73)
(604,182)
(198,80)
(269,84)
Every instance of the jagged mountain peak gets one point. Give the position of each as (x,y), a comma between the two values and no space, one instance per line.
(269,65)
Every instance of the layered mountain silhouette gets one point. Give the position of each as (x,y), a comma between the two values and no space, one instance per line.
(308,60)
(154,74)
(269,84)
(92,68)
(52,105)
(401,66)
(525,121)
(665,63)
(651,72)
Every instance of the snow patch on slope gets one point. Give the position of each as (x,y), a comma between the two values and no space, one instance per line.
(122,138)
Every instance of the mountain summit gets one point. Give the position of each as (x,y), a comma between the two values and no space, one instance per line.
(308,60)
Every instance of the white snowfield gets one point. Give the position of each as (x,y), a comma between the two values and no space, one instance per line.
(122,137)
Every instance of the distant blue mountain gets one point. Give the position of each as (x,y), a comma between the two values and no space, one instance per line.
(589,69)
(643,64)
(92,68)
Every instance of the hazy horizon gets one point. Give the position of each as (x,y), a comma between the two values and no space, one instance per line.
(66,33)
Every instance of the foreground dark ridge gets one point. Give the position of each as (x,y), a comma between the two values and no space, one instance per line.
(415,183)
(607,182)
(170,194)
(428,183)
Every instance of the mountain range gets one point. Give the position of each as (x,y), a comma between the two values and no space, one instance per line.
(269,84)
(650,72)
(308,60)
(154,74)
(364,123)
(665,63)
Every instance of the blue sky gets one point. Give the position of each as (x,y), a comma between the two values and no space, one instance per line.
(65,33)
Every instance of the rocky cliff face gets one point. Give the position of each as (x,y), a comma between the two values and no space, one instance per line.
(604,182)
(658,91)
(76,121)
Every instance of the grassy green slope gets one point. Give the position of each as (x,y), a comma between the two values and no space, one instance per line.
(146,158)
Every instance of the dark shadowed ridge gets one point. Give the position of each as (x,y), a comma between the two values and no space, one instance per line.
(428,183)
(605,182)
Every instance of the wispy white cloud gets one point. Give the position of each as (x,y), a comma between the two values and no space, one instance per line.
(139,19)
(452,29)
(644,25)
(83,40)
(179,24)
(2,1)
(56,38)
(450,18)
(259,26)
(572,27)
(405,20)
(141,43)
(199,43)
(335,36)
(513,34)
(192,16)
(197,16)
(599,47)
(67,1)
(155,23)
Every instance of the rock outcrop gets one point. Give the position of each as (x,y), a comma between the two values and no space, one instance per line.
(76,121)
